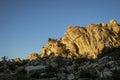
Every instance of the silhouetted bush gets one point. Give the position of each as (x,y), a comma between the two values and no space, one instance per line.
(12,66)
(81,60)
(85,74)
(115,75)
(21,75)
(35,74)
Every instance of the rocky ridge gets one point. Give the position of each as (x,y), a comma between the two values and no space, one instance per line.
(87,41)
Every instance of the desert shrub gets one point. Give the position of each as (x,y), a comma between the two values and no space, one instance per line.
(115,75)
(50,69)
(35,74)
(24,62)
(85,74)
(21,75)
(59,60)
(12,66)
(4,59)
(1,69)
(81,60)
(7,77)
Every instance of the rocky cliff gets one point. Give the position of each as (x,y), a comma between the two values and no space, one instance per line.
(87,41)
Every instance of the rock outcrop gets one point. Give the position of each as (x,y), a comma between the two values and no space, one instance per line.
(87,41)
(33,56)
(18,60)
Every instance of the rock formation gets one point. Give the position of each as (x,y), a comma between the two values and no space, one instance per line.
(87,41)
(18,60)
(33,56)
(68,58)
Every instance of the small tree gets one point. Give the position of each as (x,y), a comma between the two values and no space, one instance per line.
(4,58)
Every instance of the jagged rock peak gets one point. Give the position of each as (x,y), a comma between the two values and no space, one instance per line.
(18,60)
(113,22)
(114,26)
(87,41)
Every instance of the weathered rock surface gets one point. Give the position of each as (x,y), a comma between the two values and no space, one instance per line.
(87,41)
(33,56)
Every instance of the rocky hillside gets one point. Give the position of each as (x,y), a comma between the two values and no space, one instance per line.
(90,41)
(59,68)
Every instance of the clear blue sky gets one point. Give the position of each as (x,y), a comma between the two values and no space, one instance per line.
(26,25)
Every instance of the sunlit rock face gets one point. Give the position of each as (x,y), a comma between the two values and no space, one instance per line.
(33,56)
(18,60)
(54,48)
(87,41)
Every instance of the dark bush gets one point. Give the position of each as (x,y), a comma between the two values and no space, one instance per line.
(116,75)
(85,74)
(35,74)
(21,75)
